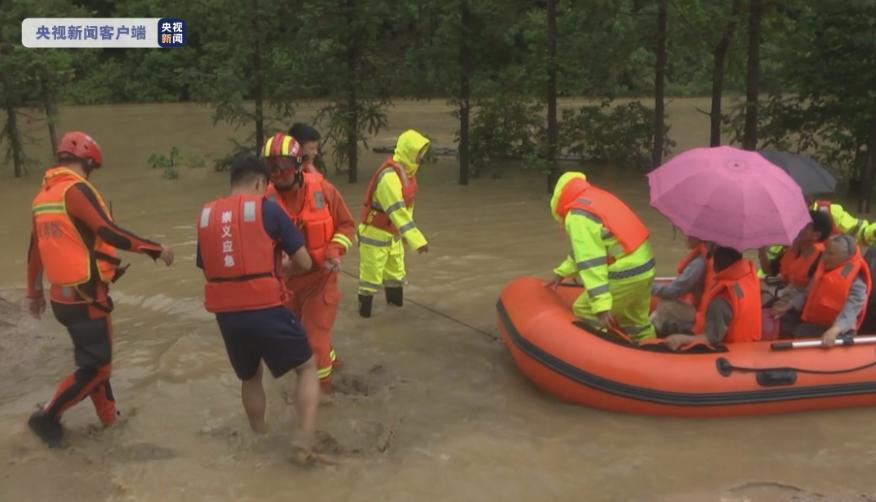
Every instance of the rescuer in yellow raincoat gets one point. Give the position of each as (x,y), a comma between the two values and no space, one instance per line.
(387,217)
(611,254)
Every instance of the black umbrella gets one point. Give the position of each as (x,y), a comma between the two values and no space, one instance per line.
(809,174)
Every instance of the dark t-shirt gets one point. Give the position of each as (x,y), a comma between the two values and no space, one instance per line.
(277,225)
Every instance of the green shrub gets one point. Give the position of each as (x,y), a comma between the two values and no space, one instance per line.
(622,134)
(506,128)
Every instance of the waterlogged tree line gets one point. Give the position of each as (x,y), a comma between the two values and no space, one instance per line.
(802,73)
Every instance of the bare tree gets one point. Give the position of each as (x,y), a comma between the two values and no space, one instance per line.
(659,84)
(752,86)
(720,56)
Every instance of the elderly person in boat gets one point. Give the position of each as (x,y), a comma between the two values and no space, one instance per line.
(681,298)
(835,300)
(611,254)
(730,311)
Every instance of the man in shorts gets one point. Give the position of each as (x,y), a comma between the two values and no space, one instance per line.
(241,241)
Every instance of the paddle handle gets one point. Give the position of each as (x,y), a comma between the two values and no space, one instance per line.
(803,344)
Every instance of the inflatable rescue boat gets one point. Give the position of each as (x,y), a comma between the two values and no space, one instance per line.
(584,364)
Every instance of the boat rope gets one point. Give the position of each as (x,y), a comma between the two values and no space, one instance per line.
(439,313)
(726,366)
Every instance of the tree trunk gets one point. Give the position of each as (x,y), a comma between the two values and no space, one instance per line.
(352,98)
(749,139)
(12,134)
(51,110)
(258,79)
(464,90)
(352,137)
(720,53)
(869,170)
(552,89)
(659,83)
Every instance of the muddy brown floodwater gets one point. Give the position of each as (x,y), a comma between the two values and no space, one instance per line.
(426,408)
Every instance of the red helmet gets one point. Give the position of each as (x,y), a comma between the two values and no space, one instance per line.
(282,153)
(81,146)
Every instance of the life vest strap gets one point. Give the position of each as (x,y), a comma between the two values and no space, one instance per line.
(107,258)
(242,278)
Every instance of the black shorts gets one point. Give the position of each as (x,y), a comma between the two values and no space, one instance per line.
(273,335)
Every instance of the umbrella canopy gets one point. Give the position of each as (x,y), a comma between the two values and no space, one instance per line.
(732,197)
(809,174)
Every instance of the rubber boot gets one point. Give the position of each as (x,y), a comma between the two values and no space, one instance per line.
(46,428)
(365,302)
(395,296)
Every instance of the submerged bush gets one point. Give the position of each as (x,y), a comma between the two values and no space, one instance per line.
(622,134)
(506,128)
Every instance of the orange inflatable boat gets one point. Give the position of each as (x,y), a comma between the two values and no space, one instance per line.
(583,364)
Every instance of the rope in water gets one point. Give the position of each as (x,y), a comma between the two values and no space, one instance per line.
(439,313)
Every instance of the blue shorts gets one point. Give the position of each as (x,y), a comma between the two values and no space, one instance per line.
(271,335)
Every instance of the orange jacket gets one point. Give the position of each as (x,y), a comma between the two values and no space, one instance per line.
(616,216)
(700,250)
(373,215)
(66,257)
(794,268)
(241,261)
(740,286)
(830,288)
(320,212)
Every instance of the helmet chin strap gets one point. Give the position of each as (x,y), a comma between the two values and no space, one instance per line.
(297,180)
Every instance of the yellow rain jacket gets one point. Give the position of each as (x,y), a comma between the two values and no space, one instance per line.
(389,193)
(859,228)
(604,268)
(381,253)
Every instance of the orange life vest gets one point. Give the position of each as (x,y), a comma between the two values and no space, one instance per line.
(699,250)
(314,218)
(619,219)
(241,261)
(66,258)
(824,207)
(374,215)
(740,286)
(830,289)
(795,268)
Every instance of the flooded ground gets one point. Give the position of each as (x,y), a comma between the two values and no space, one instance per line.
(426,408)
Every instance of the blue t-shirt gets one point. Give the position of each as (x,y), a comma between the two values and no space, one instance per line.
(277,225)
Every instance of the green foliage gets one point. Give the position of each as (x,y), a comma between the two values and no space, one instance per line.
(335,119)
(621,134)
(170,173)
(157,160)
(827,105)
(170,163)
(505,129)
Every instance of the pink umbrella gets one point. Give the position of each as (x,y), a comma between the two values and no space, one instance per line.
(732,197)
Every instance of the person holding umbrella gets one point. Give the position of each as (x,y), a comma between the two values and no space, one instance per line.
(815,179)
(797,263)
(731,309)
(733,198)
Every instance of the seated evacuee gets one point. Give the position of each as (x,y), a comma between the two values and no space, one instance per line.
(835,300)
(841,223)
(797,263)
(730,311)
(694,273)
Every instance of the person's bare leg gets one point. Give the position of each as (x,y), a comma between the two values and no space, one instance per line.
(253,396)
(306,403)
